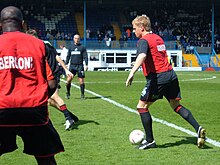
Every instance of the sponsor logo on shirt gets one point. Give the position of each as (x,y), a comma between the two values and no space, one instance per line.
(75,52)
(161,47)
(8,62)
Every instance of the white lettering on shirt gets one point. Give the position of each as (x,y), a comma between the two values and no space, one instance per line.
(75,52)
(161,47)
(11,62)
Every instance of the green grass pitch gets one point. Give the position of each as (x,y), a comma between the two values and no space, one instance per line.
(101,135)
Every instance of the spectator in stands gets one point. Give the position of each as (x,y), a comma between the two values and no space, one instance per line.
(187,51)
(99,36)
(69,36)
(49,36)
(88,31)
(107,41)
(128,32)
(191,48)
(58,36)
(123,41)
(62,35)
(109,33)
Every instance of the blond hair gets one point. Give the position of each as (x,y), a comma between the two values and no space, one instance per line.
(144,21)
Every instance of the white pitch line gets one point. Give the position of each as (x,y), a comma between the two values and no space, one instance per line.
(195,79)
(213,142)
(201,79)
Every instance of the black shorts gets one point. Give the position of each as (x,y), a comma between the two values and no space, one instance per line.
(40,141)
(77,69)
(165,84)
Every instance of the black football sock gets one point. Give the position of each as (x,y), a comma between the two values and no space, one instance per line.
(147,123)
(65,111)
(187,115)
(68,86)
(82,88)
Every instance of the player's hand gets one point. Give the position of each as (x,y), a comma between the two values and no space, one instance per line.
(132,63)
(129,80)
(68,73)
(86,68)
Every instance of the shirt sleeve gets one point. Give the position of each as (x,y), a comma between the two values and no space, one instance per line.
(68,56)
(85,55)
(142,47)
(51,59)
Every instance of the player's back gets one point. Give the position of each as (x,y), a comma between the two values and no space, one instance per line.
(22,71)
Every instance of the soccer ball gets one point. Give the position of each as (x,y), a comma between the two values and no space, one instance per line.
(136,136)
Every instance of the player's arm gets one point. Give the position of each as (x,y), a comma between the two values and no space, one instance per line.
(68,57)
(85,58)
(52,82)
(51,66)
(68,73)
(140,59)
(142,50)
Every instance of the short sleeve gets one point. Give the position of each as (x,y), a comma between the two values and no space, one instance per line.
(142,47)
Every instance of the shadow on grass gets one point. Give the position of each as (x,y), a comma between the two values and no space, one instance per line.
(184,140)
(82,122)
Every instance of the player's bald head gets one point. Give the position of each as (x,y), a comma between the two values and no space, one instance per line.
(11,13)
(11,19)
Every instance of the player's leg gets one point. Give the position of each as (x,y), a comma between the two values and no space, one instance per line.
(81,76)
(146,120)
(7,140)
(58,102)
(43,142)
(184,113)
(188,116)
(8,144)
(46,160)
(68,85)
(53,103)
(173,95)
(82,87)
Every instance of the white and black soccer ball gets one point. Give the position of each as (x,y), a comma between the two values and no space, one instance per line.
(136,136)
